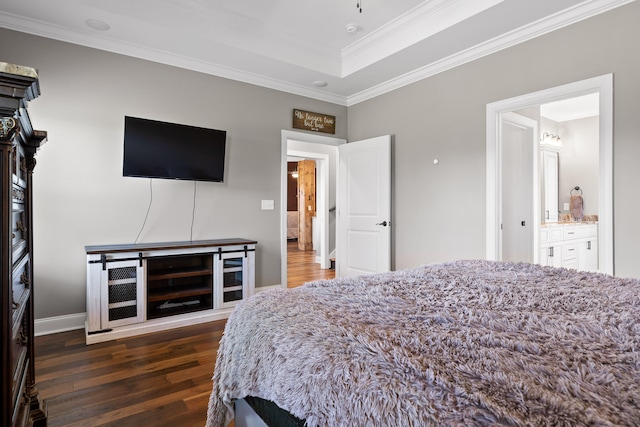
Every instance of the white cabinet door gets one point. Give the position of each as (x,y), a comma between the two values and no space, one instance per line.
(550,185)
(551,254)
(122,293)
(588,255)
(233,277)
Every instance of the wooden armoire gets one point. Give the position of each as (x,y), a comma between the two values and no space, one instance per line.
(20,404)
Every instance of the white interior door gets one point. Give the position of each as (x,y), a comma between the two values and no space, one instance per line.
(517,191)
(364,207)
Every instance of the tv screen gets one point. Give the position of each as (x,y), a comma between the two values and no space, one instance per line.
(154,149)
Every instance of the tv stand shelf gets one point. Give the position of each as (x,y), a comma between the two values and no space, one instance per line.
(175,274)
(146,287)
(165,294)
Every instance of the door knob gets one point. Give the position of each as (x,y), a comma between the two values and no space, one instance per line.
(383,223)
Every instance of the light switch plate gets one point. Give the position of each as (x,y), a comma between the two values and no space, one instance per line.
(267,205)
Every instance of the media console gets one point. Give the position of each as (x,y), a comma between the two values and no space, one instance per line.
(147,287)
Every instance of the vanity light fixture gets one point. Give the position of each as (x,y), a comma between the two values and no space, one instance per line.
(551,140)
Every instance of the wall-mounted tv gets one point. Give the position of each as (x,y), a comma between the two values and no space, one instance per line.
(154,149)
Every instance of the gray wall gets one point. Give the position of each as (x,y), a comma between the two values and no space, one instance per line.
(439,210)
(80,195)
(578,162)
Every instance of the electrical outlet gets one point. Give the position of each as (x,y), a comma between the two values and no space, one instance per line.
(267,205)
(566,206)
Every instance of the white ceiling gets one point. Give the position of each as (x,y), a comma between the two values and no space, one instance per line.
(295,45)
(579,107)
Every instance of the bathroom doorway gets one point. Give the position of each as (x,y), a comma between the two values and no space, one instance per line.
(603,87)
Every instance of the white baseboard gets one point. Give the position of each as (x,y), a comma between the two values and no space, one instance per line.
(53,325)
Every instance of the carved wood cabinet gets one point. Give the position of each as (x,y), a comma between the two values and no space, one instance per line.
(20,404)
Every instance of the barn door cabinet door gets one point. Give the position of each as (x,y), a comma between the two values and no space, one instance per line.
(234,280)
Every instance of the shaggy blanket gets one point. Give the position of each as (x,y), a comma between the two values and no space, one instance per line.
(465,343)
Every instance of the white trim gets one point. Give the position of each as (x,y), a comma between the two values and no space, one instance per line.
(419,23)
(602,85)
(582,11)
(322,211)
(544,26)
(43,29)
(53,325)
(287,135)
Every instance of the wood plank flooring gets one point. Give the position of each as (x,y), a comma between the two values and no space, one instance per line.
(301,267)
(158,380)
(161,379)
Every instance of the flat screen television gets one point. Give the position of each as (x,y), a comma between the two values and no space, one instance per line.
(154,149)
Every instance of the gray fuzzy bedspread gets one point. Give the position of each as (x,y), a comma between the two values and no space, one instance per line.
(467,343)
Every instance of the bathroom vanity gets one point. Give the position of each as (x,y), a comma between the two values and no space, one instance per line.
(570,245)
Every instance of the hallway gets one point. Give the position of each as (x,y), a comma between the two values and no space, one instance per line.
(301,267)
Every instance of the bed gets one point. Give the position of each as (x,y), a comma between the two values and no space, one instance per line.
(292,225)
(465,343)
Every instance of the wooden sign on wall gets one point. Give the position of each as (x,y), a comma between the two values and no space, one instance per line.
(314,121)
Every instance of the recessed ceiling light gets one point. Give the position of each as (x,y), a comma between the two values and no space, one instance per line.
(352,28)
(320,83)
(97,25)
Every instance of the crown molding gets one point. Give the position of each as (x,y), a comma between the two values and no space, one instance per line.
(42,29)
(549,24)
(415,25)
(562,19)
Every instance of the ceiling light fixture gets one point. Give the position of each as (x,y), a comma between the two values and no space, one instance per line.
(97,25)
(351,28)
(359,5)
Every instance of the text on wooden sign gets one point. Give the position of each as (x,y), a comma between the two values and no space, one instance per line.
(314,121)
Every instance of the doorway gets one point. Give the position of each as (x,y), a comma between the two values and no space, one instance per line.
(320,149)
(603,86)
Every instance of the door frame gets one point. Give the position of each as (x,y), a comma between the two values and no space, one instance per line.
(286,136)
(322,197)
(603,85)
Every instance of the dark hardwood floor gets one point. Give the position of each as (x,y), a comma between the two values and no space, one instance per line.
(161,379)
